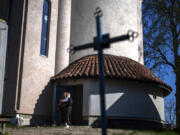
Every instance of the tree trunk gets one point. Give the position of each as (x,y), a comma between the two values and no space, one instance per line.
(178,101)
(178,93)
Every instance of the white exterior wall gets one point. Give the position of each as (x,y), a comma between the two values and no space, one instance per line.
(37,68)
(119,16)
(123,99)
(3,47)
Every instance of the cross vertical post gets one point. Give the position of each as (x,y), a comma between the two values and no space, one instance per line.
(98,15)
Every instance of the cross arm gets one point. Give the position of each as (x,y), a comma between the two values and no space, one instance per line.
(106,41)
(73,49)
(131,35)
(118,38)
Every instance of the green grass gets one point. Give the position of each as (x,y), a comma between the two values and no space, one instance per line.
(10,126)
(4,134)
(133,132)
(166,132)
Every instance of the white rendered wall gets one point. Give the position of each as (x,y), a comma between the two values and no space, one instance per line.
(3,47)
(38,69)
(123,99)
(119,16)
(126,99)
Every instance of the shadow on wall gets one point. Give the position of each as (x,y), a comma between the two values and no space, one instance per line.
(44,107)
(140,50)
(132,112)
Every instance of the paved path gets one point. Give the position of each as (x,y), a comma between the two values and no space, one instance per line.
(76,130)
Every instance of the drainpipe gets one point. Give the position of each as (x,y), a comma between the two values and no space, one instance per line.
(21,56)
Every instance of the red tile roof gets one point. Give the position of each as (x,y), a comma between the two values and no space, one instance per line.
(116,67)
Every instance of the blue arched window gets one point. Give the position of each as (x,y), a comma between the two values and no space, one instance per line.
(45,28)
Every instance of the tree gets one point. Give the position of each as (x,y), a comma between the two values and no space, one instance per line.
(161,20)
(170,113)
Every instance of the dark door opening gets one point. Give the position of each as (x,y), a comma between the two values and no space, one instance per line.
(60,89)
(76,91)
(77,108)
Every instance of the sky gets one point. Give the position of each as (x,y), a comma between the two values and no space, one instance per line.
(170,79)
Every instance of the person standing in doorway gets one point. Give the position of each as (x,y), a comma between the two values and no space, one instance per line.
(69,109)
(65,106)
(62,107)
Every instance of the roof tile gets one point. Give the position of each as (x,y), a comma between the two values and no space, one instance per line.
(114,67)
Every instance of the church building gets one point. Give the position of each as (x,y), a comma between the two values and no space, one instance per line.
(36,66)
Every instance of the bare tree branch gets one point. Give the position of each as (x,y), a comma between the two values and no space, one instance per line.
(165,59)
(156,65)
(162,29)
(170,106)
(178,32)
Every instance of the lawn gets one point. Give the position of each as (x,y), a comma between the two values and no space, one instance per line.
(147,132)
(81,130)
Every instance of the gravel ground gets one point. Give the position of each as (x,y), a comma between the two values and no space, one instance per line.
(75,130)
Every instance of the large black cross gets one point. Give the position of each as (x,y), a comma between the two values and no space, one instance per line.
(101,42)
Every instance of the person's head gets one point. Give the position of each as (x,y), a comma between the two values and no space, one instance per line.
(65,94)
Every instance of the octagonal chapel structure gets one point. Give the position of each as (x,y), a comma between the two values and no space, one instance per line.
(36,67)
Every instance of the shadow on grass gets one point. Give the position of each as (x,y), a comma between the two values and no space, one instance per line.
(162,132)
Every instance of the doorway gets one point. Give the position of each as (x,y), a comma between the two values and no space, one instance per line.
(76,91)
(60,89)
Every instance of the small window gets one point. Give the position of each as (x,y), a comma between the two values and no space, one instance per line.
(45,28)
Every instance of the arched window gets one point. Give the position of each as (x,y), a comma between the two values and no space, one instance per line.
(45,28)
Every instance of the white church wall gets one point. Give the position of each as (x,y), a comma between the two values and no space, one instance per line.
(38,69)
(126,100)
(3,47)
(118,17)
